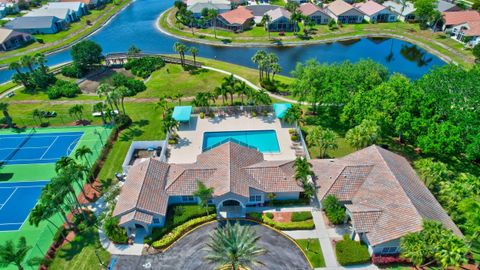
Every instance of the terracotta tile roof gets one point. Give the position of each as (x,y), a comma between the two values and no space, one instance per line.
(338,7)
(278,13)
(459,17)
(239,15)
(349,181)
(369,7)
(474,29)
(136,216)
(308,9)
(391,187)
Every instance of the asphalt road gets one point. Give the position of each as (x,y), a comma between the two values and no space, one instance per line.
(189,253)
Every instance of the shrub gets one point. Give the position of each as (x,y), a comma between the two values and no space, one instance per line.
(255,216)
(136,86)
(301,201)
(351,252)
(294,137)
(63,88)
(268,85)
(144,66)
(333,209)
(269,215)
(202,115)
(388,259)
(301,216)
(476,51)
(168,239)
(303,225)
(72,71)
(113,231)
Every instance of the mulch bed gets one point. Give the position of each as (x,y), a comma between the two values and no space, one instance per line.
(282,217)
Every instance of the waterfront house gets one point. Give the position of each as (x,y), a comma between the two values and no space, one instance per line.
(11,39)
(236,20)
(36,25)
(384,197)
(78,9)
(7,8)
(90,4)
(259,10)
(404,13)
(63,14)
(463,26)
(315,13)
(343,12)
(445,6)
(280,21)
(374,12)
(197,6)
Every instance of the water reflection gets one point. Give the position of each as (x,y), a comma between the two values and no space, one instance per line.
(415,54)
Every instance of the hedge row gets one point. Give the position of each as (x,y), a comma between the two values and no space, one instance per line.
(301,216)
(288,226)
(351,252)
(168,239)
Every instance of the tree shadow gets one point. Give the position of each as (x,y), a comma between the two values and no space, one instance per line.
(130,133)
(141,123)
(75,247)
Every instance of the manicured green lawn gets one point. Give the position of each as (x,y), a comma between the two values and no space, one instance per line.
(7,86)
(313,250)
(80,253)
(184,82)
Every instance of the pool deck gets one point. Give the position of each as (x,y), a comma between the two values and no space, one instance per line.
(191,135)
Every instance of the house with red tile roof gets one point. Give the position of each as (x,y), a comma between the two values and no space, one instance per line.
(374,12)
(343,12)
(237,20)
(315,13)
(463,26)
(384,197)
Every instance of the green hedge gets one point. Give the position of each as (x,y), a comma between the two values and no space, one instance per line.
(301,201)
(168,239)
(301,216)
(288,226)
(351,252)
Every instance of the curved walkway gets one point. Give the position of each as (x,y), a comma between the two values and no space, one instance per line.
(189,252)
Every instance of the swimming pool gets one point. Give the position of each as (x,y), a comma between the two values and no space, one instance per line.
(264,141)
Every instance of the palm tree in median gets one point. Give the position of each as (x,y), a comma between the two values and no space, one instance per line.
(14,254)
(204,194)
(234,247)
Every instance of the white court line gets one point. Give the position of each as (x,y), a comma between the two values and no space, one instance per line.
(30,147)
(26,159)
(8,198)
(56,138)
(16,223)
(21,187)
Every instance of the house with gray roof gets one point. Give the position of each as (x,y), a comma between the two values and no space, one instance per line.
(259,10)
(280,21)
(445,6)
(240,177)
(405,12)
(384,197)
(36,25)
(11,39)
(78,9)
(197,6)
(63,14)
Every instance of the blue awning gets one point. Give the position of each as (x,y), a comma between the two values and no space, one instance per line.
(281,109)
(182,113)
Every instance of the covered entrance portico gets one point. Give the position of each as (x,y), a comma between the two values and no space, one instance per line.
(231,208)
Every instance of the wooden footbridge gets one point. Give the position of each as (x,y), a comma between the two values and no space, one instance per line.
(119,59)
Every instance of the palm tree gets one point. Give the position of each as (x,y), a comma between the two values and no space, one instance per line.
(234,247)
(221,91)
(266,19)
(82,152)
(296,17)
(204,194)
(124,91)
(180,48)
(242,89)
(39,59)
(6,115)
(194,52)
(19,75)
(212,15)
(42,212)
(302,169)
(258,58)
(37,114)
(27,61)
(163,105)
(314,136)
(100,107)
(293,114)
(76,111)
(170,124)
(328,141)
(11,254)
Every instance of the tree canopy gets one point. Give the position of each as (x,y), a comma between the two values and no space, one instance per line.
(86,53)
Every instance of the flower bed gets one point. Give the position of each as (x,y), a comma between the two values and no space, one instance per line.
(177,232)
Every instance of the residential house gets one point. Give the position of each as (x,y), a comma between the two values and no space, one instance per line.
(463,26)
(343,12)
(90,4)
(197,6)
(405,13)
(7,8)
(63,14)
(384,197)
(239,175)
(259,10)
(445,6)
(37,25)
(375,13)
(315,13)
(78,9)
(11,39)
(280,21)
(236,20)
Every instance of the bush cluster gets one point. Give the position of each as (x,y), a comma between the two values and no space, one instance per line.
(136,86)
(143,67)
(63,88)
(168,239)
(286,226)
(114,232)
(72,71)
(351,252)
(334,210)
(301,216)
(301,201)
(269,85)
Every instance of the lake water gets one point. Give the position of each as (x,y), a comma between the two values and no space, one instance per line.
(136,25)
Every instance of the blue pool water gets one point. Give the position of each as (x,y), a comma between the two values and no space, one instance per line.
(264,141)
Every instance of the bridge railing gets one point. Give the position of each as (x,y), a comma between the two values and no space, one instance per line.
(121,58)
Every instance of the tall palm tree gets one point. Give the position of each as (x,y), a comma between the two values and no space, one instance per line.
(42,212)
(242,89)
(212,15)
(194,52)
(14,254)
(83,152)
(258,58)
(204,194)
(234,247)
(6,115)
(100,107)
(180,48)
(76,111)
(28,62)
(266,19)
(124,92)
(39,59)
(178,97)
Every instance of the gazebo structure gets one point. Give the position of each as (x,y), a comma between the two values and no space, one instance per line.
(182,114)
(281,109)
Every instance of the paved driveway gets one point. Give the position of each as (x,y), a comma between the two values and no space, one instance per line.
(188,253)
